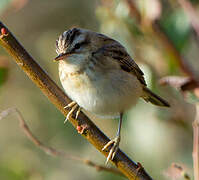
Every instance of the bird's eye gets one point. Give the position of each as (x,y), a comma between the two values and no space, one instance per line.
(77,46)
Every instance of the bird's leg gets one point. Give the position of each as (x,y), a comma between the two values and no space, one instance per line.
(73,105)
(114,142)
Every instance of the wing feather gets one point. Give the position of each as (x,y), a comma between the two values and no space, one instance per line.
(119,53)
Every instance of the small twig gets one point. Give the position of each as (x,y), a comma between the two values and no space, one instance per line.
(179,82)
(52,151)
(183,173)
(195,153)
(174,81)
(176,171)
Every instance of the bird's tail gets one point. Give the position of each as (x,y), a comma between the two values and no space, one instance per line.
(151,97)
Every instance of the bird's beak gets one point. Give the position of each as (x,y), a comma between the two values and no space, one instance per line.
(61,56)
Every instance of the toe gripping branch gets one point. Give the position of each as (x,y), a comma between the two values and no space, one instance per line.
(73,106)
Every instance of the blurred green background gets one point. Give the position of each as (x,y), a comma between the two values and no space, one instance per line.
(155,137)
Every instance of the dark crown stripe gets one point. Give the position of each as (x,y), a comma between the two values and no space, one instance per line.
(72,34)
(57,43)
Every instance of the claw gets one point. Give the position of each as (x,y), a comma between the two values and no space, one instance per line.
(65,120)
(70,105)
(73,105)
(115,146)
(78,111)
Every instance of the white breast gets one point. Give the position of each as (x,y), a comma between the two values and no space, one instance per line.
(105,94)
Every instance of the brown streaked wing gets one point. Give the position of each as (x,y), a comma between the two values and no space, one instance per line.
(118,52)
(130,63)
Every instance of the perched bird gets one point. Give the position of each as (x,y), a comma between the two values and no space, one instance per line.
(99,75)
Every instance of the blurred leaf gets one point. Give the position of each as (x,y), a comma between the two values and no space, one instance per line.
(133,27)
(4,4)
(18,4)
(14,4)
(150,10)
(3,75)
(177,27)
(10,172)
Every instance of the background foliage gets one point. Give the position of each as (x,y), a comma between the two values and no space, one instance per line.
(153,136)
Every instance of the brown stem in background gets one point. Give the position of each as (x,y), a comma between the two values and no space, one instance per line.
(133,10)
(174,81)
(195,153)
(179,82)
(60,100)
(51,151)
(191,13)
(169,46)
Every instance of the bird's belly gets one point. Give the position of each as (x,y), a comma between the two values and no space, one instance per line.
(106,95)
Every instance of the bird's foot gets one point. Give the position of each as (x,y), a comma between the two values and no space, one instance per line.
(115,146)
(73,105)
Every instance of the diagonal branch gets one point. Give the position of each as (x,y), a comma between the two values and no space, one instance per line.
(91,132)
